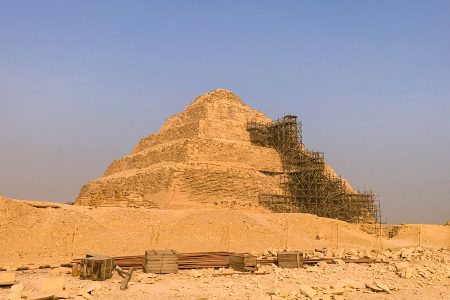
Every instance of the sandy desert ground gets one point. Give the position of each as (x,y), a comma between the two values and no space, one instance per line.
(414,264)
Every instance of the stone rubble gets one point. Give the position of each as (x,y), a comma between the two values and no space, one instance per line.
(404,273)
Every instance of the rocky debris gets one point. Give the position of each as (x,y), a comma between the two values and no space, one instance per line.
(372,286)
(195,273)
(13,296)
(7,278)
(61,295)
(404,270)
(383,286)
(49,284)
(86,296)
(322,265)
(349,284)
(339,261)
(407,253)
(39,295)
(146,276)
(17,288)
(148,281)
(326,283)
(94,286)
(228,271)
(307,291)
(378,286)
(313,269)
(15,291)
(334,291)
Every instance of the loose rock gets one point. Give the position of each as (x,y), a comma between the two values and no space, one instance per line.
(307,291)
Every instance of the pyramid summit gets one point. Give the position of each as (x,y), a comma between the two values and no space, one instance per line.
(200,157)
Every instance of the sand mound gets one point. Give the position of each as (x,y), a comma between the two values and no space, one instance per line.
(45,232)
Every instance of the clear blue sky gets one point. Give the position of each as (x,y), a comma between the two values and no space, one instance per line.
(82,81)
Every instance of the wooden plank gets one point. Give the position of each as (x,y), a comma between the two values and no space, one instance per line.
(127,278)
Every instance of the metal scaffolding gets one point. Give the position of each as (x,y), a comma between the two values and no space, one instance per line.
(306,183)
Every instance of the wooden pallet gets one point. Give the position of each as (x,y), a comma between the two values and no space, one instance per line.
(243,262)
(293,259)
(160,261)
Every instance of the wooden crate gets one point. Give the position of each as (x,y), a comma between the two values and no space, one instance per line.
(161,261)
(243,262)
(96,267)
(293,259)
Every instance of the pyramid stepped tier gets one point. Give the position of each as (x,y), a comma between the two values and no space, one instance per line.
(200,157)
(200,150)
(180,185)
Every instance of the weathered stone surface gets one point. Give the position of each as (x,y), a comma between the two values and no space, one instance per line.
(87,296)
(383,286)
(17,288)
(348,283)
(372,286)
(335,291)
(401,266)
(13,296)
(322,265)
(7,277)
(307,291)
(48,284)
(40,295)
(404,270)
(61,295)
(91,287)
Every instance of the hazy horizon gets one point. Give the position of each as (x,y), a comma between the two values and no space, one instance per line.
(81,82)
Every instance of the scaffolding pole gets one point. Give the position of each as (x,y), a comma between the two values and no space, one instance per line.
(307,186)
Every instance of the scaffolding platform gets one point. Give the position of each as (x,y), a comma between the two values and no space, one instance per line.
(307,185)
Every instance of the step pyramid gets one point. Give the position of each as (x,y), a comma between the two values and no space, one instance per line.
(201,157)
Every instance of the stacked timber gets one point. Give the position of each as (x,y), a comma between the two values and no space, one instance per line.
(96,267)
(293,259)
(199,260)
(135,261)
(243,262)
(160,261)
